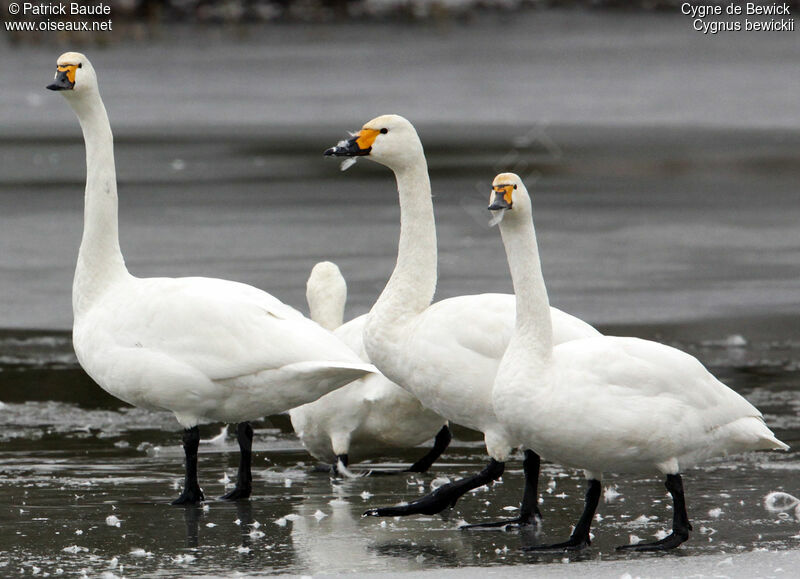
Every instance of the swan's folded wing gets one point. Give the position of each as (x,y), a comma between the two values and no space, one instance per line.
(639,373)
(483,323)
(223,329)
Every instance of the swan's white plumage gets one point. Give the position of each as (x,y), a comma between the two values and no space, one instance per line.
(368,414)
(445,354)
(202,348)
(609,403)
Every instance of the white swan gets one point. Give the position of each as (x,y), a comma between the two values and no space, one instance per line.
(445,354)
(368,414)
(202,348)
(608,403)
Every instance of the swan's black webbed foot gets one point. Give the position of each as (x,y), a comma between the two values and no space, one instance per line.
(529,514)
(244,478)
(580,536)
(680,521)
(443,497)
(192,494)
(189,496)
(571,544)
(516,523)
(236,494)
(440,444)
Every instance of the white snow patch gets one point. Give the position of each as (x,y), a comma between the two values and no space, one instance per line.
(610,494)
(113,521)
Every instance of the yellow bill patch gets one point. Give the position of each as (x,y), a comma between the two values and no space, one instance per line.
(366,137)
(70,70)
(505,191)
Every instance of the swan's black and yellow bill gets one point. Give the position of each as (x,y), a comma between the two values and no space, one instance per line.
(358,145)
(501,197)
(65,77)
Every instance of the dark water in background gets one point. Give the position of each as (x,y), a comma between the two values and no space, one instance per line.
(666,204)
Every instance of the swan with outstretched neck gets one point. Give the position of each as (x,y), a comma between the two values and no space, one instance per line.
(445,354)
(607,404)
(202,348)
(369,414)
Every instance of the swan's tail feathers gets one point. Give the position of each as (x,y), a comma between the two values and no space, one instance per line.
(776,444)
(321,377)
(753,432)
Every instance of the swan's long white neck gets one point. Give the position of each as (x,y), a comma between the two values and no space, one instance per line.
(412,284)
(533,326)
(100,261)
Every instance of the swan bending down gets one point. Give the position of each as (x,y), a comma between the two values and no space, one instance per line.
(445,354)
(205,349)
(368,414)
(607,403)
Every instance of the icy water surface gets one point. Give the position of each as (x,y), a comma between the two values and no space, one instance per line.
(85,486)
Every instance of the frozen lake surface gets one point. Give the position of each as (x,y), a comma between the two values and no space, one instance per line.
(70,458)
(664,170)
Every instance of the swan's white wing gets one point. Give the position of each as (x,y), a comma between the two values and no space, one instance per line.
(223,329)
(453,349)
(650,400)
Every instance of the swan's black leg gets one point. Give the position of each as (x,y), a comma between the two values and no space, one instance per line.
(443,497)
(680,521)
(529,511)
(244,478)
(191,489)
(440,444)
(579,539)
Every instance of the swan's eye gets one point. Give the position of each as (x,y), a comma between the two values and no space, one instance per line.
(384,131)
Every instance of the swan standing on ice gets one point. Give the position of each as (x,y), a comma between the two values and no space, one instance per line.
(205,349)
(606,403)
(445,354)
(370,413)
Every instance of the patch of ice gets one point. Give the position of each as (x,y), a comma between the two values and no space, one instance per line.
(113,521)
(75,549)
(439,481)
(715,513)
(292,517)
(366,495)
(140,553)
(281,522)
(184,559)
(211,525)
(242,549)
(610,494)
(319,515)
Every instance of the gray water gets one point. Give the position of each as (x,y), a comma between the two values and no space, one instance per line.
(664,178)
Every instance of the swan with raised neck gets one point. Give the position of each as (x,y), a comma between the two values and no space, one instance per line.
(205,349)
(447,353)
(100,263)
(607,403)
